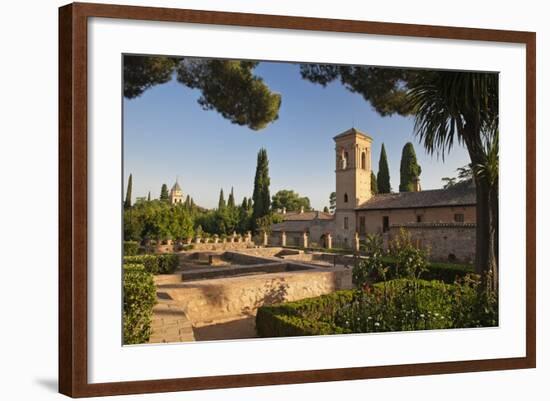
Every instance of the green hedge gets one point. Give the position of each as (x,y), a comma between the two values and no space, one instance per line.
(167,263)
(396,305)
(139,299)
(131,248)
(155,264)
(446,272)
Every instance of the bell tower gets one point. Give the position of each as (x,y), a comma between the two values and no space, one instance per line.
(353,176)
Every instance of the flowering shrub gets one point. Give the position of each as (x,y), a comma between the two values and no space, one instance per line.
(398,305)
(371,268)
(139,299)
(411,261)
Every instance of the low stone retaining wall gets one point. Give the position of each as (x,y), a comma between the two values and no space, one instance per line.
(214,299)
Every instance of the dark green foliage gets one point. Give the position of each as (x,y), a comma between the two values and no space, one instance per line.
(227,86)
(221,201)
(143,72)
(155,264)
(244,204)
(139,299)
(383,179)
(158,220)
(164,196)
(128,199)
(149,197)
(231,199)
(373,183)
(396,305)
(149,262)
(231,88)
(131,248)
(325,209)
(289,200)
(409,169)
(261,197)
(167,263)
(332,202)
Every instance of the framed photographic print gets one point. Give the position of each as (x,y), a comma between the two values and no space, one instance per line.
(294,199)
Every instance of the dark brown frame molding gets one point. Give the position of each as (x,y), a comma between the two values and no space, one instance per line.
(73,357)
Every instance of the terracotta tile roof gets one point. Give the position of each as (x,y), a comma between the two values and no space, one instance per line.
(352,131)
(300,222)
(461,194)
(305,216)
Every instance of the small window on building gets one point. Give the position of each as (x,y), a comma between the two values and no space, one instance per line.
(419,218)
(345,161)
(363,160)
(362,225)
(346,223)
(385,223)
(346,198)
(459,217)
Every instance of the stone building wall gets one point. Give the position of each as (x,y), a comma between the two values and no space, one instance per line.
(445,241)
(435,215)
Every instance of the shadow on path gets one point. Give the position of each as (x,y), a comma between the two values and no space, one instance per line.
(231,330)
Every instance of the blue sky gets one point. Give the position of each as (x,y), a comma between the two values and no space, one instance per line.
(167,134)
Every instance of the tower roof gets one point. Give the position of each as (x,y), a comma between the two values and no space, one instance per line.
(352,131)
(176,186)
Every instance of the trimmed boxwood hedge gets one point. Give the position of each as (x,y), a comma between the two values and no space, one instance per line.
(155,264)
(395,305)
(446,272)
(139,299)
(131,248)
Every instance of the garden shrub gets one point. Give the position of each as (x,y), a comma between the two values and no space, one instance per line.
(395,305)
(131,248)
(149,262)
(167,263)
(156,264)
(139,300)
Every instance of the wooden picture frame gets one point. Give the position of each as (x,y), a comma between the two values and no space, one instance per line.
(73,204)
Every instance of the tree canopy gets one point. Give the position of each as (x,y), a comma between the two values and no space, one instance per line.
(289,200)
(230,87)
(383,179)
(261,197)
(410,169)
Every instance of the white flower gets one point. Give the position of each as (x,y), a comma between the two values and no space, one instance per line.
(376,324)
(422,315)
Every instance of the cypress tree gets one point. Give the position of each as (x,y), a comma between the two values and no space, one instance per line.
(249,206)
(164,193)
(373,184)
(244,205)
(187,202)
(383,179)
(261,197)
(149,197)
(231,200)
(409,168)
(325,209)
(128,200)
(221,201)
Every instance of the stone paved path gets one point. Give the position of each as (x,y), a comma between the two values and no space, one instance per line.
(170,324)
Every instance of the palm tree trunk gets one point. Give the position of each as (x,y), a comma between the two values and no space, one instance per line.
(486,260)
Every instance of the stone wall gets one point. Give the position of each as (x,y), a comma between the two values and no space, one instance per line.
(445,241)
(214,299)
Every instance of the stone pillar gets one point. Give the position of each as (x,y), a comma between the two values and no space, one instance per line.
(248,236)
(329,241)
(189,240)
(233,236)
(283,238)
(357,245)
(197,240)
(304,239)
(216,239)
(265,238)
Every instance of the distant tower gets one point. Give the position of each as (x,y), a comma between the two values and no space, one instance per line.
(176,194)
(353,172)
